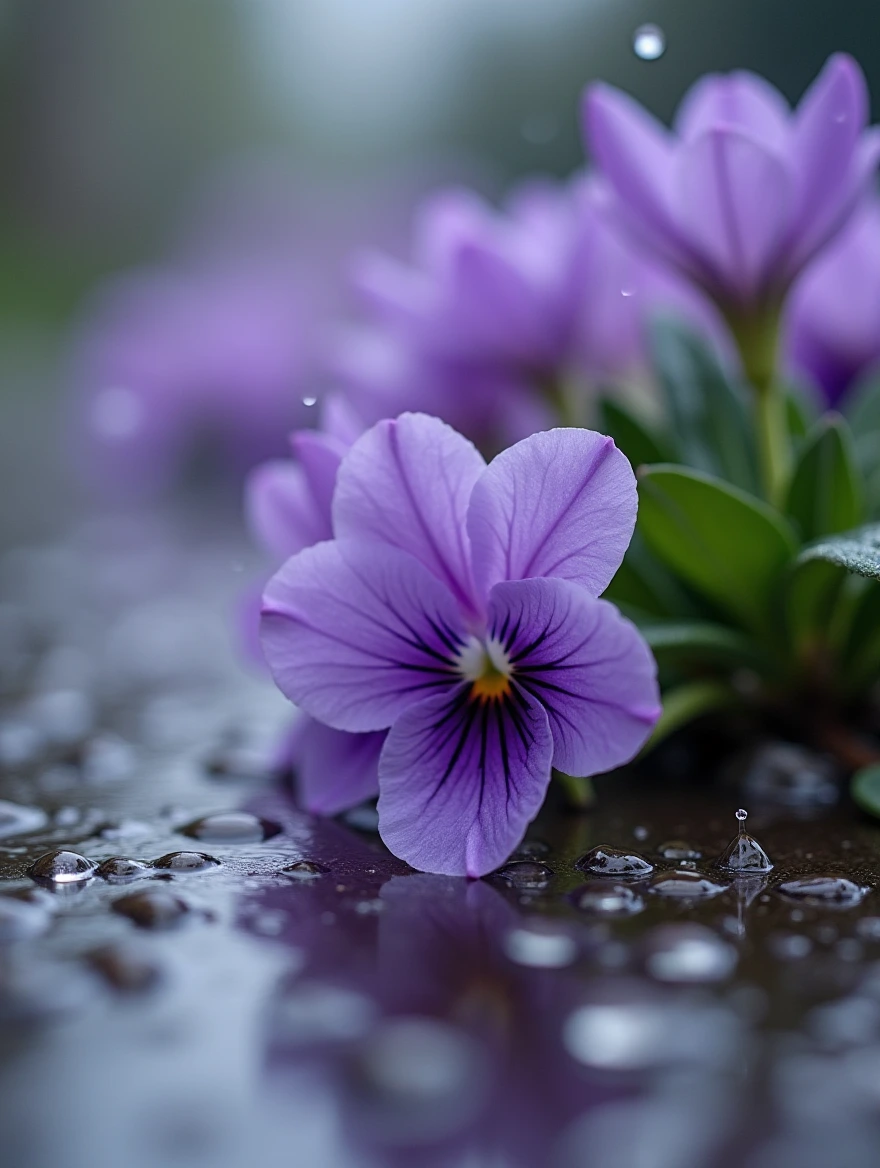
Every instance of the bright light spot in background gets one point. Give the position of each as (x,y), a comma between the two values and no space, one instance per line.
(117,413)
(649,42)
(367,72)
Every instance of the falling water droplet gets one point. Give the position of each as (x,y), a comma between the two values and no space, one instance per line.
(62,867)
(826,891)
(744,853)
(608,900)
(607,861)
(121,870)
(186,862)
(683,884)
(526,874)
(231,827)
(305,870)
(649,42)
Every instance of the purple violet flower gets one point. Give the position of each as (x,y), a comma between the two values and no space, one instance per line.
(743,192)
(833,318)
(287,507)
(457,606)
(504,317)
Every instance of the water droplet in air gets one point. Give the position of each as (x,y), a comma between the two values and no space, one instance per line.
(678,850)
(305,870)
(742,815)
(649,42)
(688,953)
(231,827)
(153,909)
(825,891)
(121,870)
(61,867)
(684,884)
(614,862)
(186,862)
(541,945)
(525,874)
(607,899)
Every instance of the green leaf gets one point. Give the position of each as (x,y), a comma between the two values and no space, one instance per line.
(645,587)
(708,412)
(686,703)
(810,599)
(865,788)
(857,551)
(727,544)
(631,434)
(861,657)
(825,495)
(801,412)
(701,641)
(861,406)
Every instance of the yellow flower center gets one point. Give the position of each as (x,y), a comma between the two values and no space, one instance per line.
(486,665)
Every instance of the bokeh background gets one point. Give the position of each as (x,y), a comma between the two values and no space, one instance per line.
(118,117)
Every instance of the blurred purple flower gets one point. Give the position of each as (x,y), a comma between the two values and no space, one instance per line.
(503,316)
(210,351)
(743,192)
(287,506)
(457,606)
(833,321)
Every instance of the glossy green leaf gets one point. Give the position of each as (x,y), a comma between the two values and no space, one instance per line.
(825,495)
(862,409)
(811,594)
(645,588)
(727,544)
(634,436)
(861,657)
(709,414)
(857,551)
(865,788)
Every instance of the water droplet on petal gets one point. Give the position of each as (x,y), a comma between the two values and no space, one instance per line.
(309,400)
(683,884)
(231,827)
(61,867)
(649,42)
(688,953)
(542,945)
(154,908)
(526,874)
(608,900)
(305,870)
(607,861)
(826,891)
(121,870)
(186,862)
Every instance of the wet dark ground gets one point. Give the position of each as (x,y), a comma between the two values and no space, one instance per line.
(263,988)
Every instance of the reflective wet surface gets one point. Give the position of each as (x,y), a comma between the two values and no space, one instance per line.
(192,971)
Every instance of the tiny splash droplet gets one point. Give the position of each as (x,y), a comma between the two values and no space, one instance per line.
(742,815)
(649,42)
(62,867)
(526,874)
(744,853)
(605,861)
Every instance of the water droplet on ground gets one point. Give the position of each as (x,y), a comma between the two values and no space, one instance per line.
(125,967)
(186,862)
(649,42)
(61,867)
(415,1081)
(541,944)
(678,850)
(153,908)
(305,870)
(607,861)
(21,920)
(685,885)
(744,854)
(17,820)
(826,891)
(121,870)
(688,953)
(608,900)
(525,874)
(231,827)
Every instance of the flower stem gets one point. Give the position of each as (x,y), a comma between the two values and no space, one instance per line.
(757,338)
